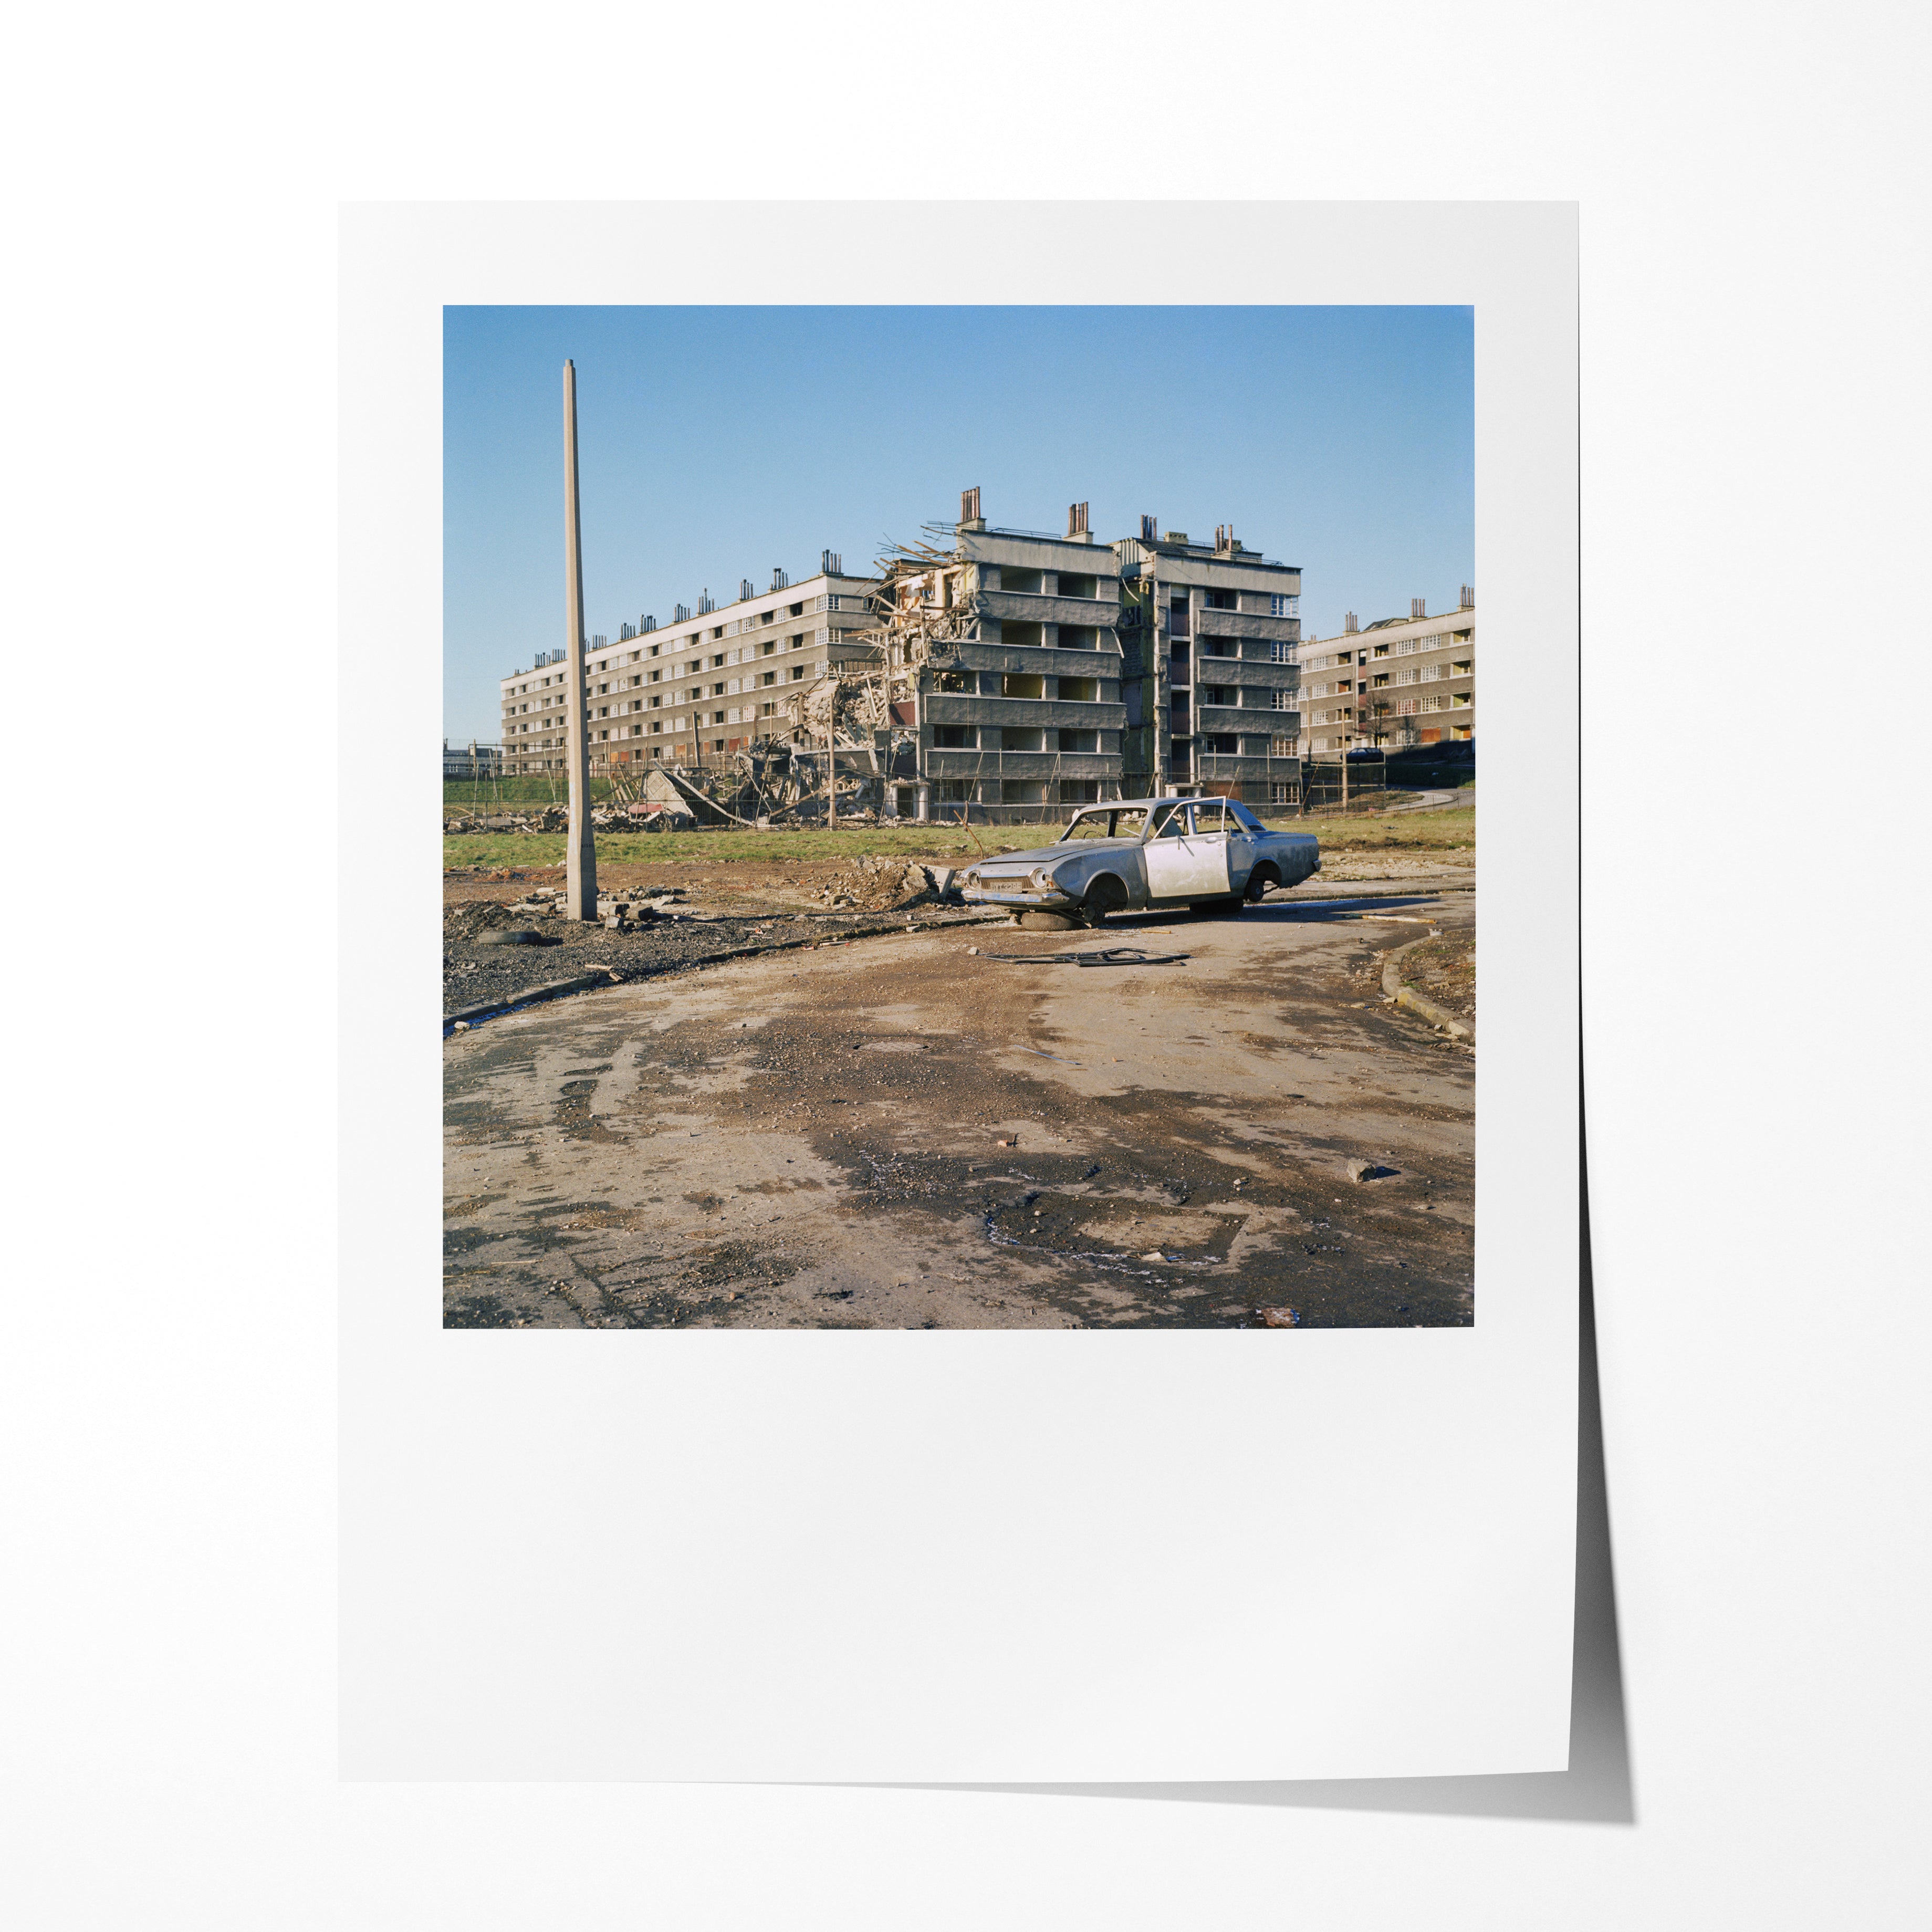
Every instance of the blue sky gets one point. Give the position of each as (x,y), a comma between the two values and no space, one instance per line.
(716,442)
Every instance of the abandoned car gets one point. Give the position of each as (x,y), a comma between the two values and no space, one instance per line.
(1212,854)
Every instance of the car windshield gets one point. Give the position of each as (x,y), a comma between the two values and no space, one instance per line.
(1111,822)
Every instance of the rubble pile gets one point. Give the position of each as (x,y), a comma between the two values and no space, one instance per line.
(556,818)
(869,884)
(619,911)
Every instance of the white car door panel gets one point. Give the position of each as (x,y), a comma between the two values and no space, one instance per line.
(1191,861)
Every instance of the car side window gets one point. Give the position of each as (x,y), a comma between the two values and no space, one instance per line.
(1244,820)
(1211,818)
(1173,823)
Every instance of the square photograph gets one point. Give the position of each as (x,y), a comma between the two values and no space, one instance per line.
(943,891)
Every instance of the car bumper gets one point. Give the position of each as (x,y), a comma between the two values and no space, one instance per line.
(1040,901)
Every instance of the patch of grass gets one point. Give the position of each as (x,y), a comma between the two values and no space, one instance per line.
(930,841)
(1414,831)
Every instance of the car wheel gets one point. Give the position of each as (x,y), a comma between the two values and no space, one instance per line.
(1259,883)
(1098,902)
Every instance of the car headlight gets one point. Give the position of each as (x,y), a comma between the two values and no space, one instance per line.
(1040,879)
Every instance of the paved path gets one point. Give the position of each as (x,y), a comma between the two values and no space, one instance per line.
(812,1140)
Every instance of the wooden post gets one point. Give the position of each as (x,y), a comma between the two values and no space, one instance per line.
(581,877)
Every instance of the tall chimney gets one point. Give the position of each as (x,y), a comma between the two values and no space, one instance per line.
(1418,607)
(1468,600)
(1349,626)
(969,507)
(580,891)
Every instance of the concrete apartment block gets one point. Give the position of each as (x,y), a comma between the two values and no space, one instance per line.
(1209,634)
(702,686)
(1403,681)
(1025,711)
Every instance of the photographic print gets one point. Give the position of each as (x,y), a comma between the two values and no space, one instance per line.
(938,890)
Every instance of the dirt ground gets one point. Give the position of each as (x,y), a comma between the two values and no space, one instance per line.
(1444,971)
(902,1133)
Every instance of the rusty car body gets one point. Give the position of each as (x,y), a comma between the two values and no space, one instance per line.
(1124,855)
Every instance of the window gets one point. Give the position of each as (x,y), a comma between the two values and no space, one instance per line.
(1079,791)
(1380,679)
(1080,690)
(1079,638)
(1282,748)
(1217,694)
(1080,741)
(1023,791)
(1221,600)
(1027,636)
(1021,738)
(1218,647)
(795,610)
(797,672)
(1016,684)
(1284,606)
(1281,700)
(952,737)
(1079,586)
(1408,707)
(768,677)
(1281,652)
(1284,794)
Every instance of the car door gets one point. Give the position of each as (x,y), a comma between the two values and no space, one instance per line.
(1187,854)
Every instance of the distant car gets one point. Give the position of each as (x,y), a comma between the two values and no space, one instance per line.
(1130,855)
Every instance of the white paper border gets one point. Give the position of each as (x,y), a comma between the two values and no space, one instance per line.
(961,1557)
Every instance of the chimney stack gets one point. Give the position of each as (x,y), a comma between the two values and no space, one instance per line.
(1076,520)
(1349,626)
(830,562)
(1418,607)
(1468,600)
(1149,529)
(970,518)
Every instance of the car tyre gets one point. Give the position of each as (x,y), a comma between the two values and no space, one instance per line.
(1099,901)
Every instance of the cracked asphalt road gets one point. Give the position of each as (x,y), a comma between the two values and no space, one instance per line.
(812,1140)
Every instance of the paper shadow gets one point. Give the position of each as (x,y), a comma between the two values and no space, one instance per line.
(1596,1788)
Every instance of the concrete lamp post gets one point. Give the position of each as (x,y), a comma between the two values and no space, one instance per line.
(581,878)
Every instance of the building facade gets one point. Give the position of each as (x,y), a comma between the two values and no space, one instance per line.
(474,762)
(703,685)
(1403,681)
(1022,708)
(1212,682)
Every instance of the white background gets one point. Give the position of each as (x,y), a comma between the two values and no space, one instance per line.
(1753,502)
(962,1556)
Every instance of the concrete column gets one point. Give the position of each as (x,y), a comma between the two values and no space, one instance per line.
(924,795)
(581,878)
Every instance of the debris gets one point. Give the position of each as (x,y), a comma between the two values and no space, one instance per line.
(1154,1254)
(1278,1317)
(510,936)
(1367,1170)
(1014,1141)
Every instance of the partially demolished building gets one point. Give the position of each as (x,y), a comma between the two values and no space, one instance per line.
(1001,673)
